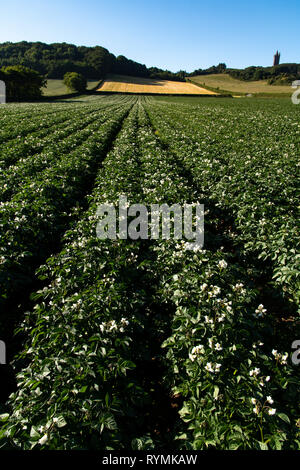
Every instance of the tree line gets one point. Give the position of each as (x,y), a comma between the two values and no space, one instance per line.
(55,60)
(276,75)
(26,66)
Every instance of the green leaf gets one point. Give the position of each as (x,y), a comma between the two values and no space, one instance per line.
(110,423)
(34,434)
(278,445)
(60,421)
(284,418)
(4,417)
(216,392)
(137,444)
(107,399)
(263,446)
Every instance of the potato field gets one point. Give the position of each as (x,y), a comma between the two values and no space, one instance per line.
(145,344)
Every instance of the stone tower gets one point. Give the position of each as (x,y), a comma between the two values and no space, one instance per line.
(276,59)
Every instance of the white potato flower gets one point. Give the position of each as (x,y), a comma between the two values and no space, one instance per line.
(222,264)
(254,372)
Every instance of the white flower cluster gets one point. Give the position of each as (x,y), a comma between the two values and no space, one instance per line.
(214,291)
(281,358)
(255,345)
(110,326)
(239,288)
(208,320)
(260,311)
(254,372)
(225,303)
(258,406)
(77,305)
(222,264)
(216,346)
(270,400)
(213,368)
(196,351)
(192,247)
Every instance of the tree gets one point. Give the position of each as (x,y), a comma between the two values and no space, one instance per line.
(221,68)
(22,83)
(75,81)
(100,59)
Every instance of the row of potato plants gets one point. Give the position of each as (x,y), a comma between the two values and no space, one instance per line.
(121,174)
(22,146)
(33,220)
(244,162)
(37,117)
(77,388)
(61,142)
(228,357)
(14,126)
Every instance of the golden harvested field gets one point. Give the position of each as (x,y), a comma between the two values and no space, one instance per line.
(125,84)
(225,82)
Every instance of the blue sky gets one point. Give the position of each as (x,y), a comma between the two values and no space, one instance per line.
(186,34)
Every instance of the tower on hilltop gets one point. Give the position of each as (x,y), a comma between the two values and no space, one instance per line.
(276,58)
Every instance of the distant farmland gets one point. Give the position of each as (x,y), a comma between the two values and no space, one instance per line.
(125,84)
(225,83)
(56,87)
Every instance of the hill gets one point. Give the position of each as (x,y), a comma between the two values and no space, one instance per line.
(282,74)
(223,82)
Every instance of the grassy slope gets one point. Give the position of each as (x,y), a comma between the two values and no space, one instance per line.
(228,84)
(57,87)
